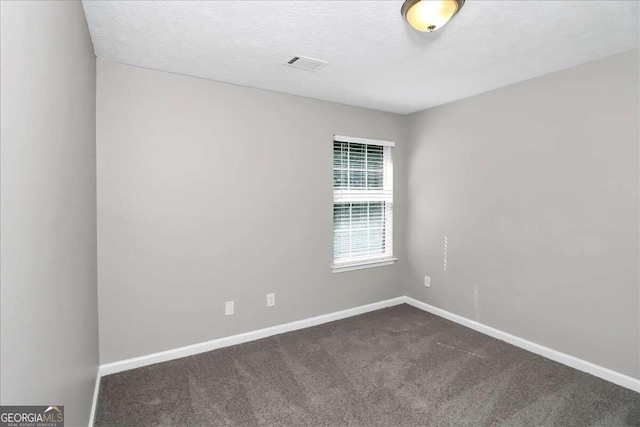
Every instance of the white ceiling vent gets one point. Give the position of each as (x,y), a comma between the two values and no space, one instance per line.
(305,63)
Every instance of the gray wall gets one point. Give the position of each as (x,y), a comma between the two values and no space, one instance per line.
(209,192)
(49,321)
(536,188)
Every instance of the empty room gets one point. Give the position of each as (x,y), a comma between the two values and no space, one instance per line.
(320,213)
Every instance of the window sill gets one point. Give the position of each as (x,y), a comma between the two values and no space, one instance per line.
(359,265)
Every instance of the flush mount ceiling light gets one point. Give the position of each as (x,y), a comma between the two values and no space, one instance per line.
(429,15)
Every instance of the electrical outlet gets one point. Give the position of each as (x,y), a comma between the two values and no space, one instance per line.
(228,308)
(271,300)
(427,281)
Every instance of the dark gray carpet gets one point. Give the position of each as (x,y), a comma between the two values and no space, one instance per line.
(394,367)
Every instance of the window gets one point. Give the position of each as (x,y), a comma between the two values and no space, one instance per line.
(362,203)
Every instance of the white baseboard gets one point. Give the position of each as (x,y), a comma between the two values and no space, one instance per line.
(574,362)
(190,350)
(95,399)
(565,359)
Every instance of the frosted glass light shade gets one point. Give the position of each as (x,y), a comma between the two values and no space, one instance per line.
(429,15)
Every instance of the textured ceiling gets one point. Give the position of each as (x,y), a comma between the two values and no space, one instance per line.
(375,59)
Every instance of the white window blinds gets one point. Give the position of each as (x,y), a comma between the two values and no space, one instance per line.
(362,201)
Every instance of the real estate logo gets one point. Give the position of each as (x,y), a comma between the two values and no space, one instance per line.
(32,416)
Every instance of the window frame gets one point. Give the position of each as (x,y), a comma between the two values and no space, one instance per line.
(371,261)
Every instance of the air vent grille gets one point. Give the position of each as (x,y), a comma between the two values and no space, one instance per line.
(305,63)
